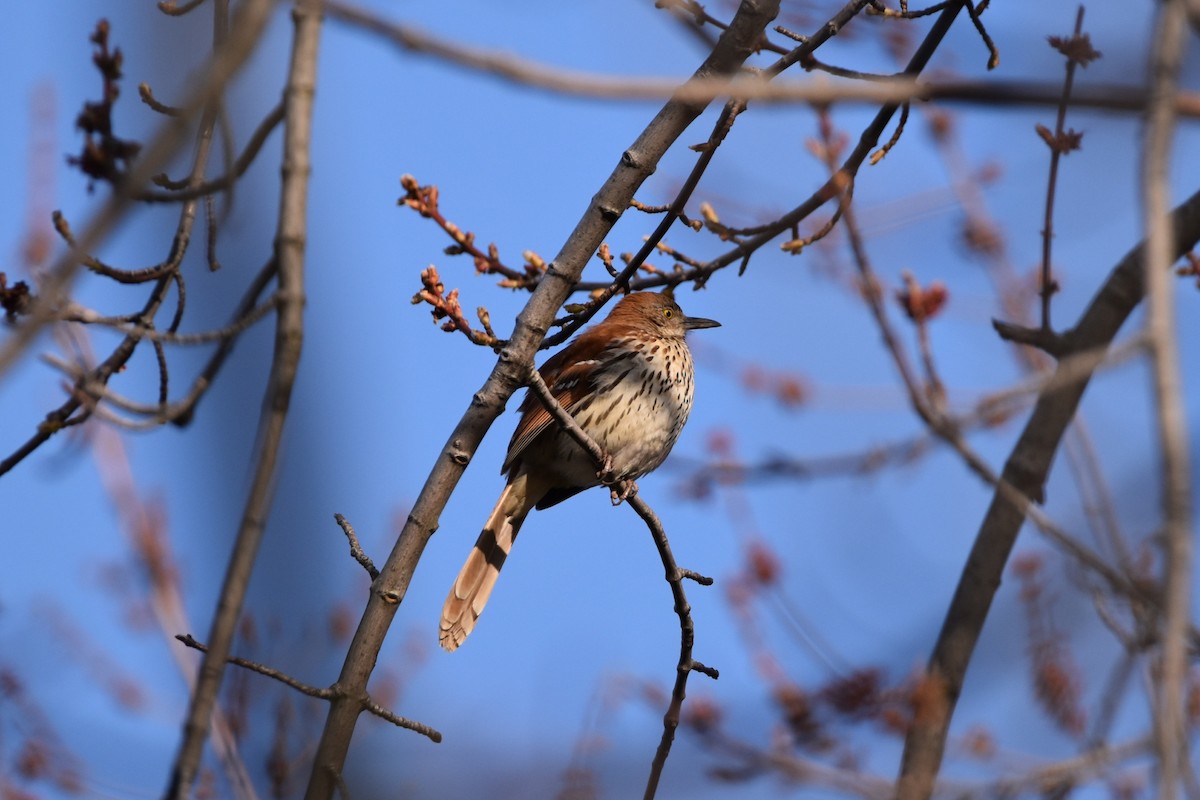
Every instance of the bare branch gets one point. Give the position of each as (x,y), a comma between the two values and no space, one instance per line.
(356,551)
(1059,146)
(687,636)
(187,190)
(163,275)
(289,252)
(147,95)
(636,164)
(892,90)
(1025,472)
(287,680)
(844,176)
(674,575)
(674,212)
(223,65)
(1171,740)
(87,316)
(328,693)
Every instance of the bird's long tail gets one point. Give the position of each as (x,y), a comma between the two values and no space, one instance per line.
(477,578)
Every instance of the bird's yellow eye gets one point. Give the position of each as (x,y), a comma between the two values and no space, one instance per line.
(668,313)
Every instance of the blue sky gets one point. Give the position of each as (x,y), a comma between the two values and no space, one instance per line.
(871,561)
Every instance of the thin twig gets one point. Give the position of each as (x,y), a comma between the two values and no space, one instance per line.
(185,190)
(1058,148)
(833,187)
(163,275)
(687,636)
(66,414)
(129,276)
(182,412)
(89,317)
(564,419)
(327,693)
(1074,372)
(149,99)
(993,54)
(720,130)
(92,386)
(984,232)
(356,551)
(287,680)
(675,211)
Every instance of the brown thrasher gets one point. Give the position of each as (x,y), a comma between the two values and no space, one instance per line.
(628,383)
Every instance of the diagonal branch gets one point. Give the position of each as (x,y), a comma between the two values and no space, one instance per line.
(356,551)
(832,188)
(1025,472)
(74,410)
(605,208)
(673,213)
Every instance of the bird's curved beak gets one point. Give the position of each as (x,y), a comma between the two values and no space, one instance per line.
(692,323)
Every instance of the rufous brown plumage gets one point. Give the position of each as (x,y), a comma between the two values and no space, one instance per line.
(628,382)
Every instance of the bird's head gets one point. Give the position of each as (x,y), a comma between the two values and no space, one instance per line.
(657,312)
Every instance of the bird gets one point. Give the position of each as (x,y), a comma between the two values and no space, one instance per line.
(629,383)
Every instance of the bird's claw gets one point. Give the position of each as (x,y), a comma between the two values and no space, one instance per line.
(623,492)
(606,474)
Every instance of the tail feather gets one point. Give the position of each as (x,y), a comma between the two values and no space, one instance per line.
(477,578)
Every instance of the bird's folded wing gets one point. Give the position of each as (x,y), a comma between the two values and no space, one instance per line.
(570,376)
(534,420)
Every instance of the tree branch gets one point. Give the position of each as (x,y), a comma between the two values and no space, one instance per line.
(356,551)
(606,207)
(327,693)
(1170,730)
(891,90)
(1025,472)
(222,67)
(289,255)
(674,575)
(850,166)
(687,637)
(186,191)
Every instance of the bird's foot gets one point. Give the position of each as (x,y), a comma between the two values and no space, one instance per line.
(622,492)
(606,474)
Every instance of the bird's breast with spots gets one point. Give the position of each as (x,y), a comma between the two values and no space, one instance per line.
(641,401)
